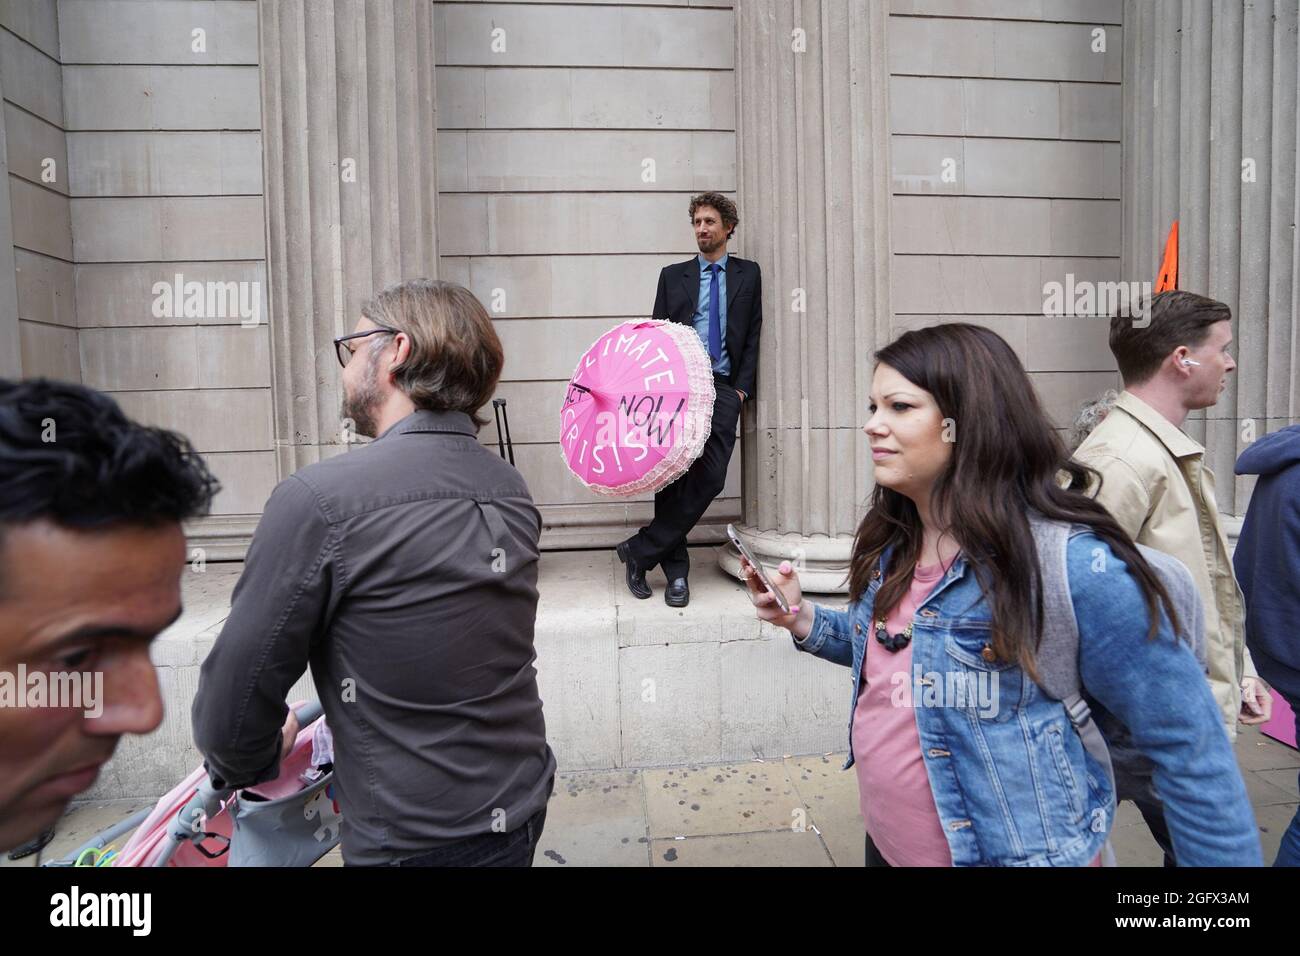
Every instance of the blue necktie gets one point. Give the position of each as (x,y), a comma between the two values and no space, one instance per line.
(715,314)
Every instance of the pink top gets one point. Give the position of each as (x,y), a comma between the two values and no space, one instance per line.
(893,787)
(897,805)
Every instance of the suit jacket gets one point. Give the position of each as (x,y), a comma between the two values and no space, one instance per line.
(679,293)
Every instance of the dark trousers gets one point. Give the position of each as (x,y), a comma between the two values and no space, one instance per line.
(680,505)
(515,848)
(1153,812)
(873,857)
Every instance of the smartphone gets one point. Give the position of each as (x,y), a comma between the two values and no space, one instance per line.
(762,575)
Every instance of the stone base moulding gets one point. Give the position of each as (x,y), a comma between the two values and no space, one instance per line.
(822,561)
(221,537)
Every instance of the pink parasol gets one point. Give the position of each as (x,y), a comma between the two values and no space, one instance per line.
(638,409)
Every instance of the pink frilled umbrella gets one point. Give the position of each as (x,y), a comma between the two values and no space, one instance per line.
(638,409)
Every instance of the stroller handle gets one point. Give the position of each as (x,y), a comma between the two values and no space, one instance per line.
(309,712)
(206,802)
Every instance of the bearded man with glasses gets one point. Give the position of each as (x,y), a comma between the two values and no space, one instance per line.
(405,574)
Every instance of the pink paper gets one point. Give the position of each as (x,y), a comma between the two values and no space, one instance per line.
(1281,726)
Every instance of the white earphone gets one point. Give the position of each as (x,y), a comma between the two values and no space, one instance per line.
(1190,362)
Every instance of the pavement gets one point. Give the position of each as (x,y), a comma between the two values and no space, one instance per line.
(794,811)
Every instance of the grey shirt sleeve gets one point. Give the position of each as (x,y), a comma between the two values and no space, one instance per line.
(277,610)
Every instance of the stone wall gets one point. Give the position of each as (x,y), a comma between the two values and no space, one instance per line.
(549,116)
(1005,120)
(38,322)
(165,158)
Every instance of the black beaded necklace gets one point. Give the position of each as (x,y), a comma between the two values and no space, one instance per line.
(893,642)
(896,642)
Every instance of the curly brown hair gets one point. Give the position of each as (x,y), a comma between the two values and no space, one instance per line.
(725,207)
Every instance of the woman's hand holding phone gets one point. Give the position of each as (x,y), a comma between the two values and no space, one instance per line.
(800,619)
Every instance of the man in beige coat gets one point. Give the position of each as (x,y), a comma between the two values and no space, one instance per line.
(1154,478)
(1156,484)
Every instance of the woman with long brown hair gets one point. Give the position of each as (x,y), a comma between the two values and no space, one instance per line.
(963,758)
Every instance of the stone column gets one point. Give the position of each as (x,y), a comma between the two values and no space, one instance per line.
(1210,139)
(813,176)
(351,191)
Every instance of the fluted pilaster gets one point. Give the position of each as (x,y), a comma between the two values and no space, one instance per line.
(813,172)
(351,192)
(1210,139)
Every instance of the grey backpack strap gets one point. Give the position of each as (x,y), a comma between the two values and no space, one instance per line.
(1180,584)
(1058,652)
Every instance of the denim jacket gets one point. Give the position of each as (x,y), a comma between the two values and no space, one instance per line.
(1012,783)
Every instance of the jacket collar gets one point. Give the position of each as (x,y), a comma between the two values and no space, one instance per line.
(1176,441)
(734,267)
(422,420)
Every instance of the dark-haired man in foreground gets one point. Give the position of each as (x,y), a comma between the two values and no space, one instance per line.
(91,555)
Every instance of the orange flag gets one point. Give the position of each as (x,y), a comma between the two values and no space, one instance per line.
(1167,277)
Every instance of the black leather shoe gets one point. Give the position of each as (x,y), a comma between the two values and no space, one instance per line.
(678,593)
(635,575)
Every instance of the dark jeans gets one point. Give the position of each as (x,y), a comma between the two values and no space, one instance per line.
(873,855)
(1154,814)
(515,848)
(681,504)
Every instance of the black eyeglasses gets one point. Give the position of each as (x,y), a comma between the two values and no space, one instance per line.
(346,352)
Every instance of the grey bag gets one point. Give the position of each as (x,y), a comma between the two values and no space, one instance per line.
(296,830)
(1104,737)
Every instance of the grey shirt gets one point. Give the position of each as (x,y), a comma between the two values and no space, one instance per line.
(405,573)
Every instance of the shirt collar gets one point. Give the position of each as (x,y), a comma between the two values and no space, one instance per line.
(1176,441)
(704,263)
(423,420)
(951,572)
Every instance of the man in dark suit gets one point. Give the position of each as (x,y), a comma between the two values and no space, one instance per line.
(720,295)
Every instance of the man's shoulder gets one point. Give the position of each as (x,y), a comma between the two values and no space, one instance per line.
(311,487)
(1121,438)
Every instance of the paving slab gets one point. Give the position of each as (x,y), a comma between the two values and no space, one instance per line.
(831,796)
(769,848)
(1258,752)
(1269,787)
(1288,781)
(1134,846)
(1272,822)
(722,798)
(595,819)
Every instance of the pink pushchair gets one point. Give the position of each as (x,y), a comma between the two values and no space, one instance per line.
(293,820)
